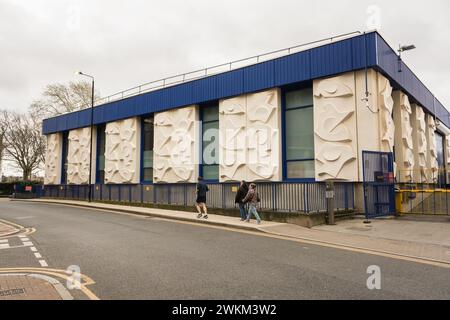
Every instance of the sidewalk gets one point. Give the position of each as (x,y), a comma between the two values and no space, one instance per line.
(383,236)
(28,286)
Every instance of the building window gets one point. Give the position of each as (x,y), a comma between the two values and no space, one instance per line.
(299,134)
(210,143)
(65,158)
(147,149)
(101,141)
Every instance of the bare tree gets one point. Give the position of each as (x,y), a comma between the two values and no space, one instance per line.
(61,98)
(23,142)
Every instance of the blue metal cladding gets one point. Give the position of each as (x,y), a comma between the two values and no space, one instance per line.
(294,68)
(407,81)
(334,58)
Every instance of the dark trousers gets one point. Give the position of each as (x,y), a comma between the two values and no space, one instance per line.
(243,210)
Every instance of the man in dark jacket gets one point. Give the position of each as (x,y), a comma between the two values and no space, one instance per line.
(240,195)
(201,191)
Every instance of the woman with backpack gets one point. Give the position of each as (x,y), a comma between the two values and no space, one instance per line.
(252,199)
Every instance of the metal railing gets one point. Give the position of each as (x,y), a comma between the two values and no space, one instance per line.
(425,192)
(275,197)
(217,69)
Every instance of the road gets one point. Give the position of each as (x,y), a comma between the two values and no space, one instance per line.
(133,257)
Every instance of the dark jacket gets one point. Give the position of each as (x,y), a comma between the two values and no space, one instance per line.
(242,192)
(202,189)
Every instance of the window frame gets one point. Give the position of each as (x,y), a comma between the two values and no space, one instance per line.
(202,108)
(146,182)
(97,153)
(284,111)
(64,157)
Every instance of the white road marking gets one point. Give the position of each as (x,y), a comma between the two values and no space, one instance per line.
(33,249)
(38,255)
(22,236)
(25,239)
(43,263)
(4,246)
(28,244)
(4,241)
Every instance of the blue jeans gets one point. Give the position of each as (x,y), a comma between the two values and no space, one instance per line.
(243,210)
(252,210)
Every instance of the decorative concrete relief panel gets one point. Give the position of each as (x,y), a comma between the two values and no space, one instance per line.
(404,146)
(335,128)
(432,149)
(386,107)
(250,145)
(233,139)
(122,159)
(420,145)
(53,159)
(447,149)
(78,156)
(263,136)
(407,139)
(176,145)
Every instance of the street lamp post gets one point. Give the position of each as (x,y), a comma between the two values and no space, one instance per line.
(92,128)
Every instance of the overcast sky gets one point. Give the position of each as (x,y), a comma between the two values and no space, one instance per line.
(125,43)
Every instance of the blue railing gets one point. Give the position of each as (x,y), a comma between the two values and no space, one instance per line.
(276,197)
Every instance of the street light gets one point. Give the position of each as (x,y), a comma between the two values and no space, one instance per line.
(92,126)
(403,49)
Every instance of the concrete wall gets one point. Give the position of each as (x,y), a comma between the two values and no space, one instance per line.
(78,156)
(404,151)
(432,162)
(122,151)
(335,128)
(250,137)
(53,159)
(177,145)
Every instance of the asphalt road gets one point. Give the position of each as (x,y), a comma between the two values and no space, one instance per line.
(132,257)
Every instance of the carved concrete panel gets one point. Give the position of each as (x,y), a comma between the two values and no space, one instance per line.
(404,137)
(176,145)
(122,159)
(335,128)
(420,145)
(53,160)
(78,156)
(432,149)
(250,146)
(233,139)
(386,107)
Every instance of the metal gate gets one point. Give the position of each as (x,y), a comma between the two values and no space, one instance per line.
(379,184)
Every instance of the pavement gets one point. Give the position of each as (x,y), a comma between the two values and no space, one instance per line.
(127,256)
(428,241)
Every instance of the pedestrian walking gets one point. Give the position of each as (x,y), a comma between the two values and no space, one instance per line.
(252,198)
(200,203)
(240,195)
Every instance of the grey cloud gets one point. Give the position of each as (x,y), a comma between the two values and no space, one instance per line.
(125,43)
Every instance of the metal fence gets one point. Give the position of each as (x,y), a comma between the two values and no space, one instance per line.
(425,192)
(277,197)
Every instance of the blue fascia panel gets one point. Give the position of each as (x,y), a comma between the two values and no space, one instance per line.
(230,83)
(330,59)
(407,81)
(259,76)
(293,68)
